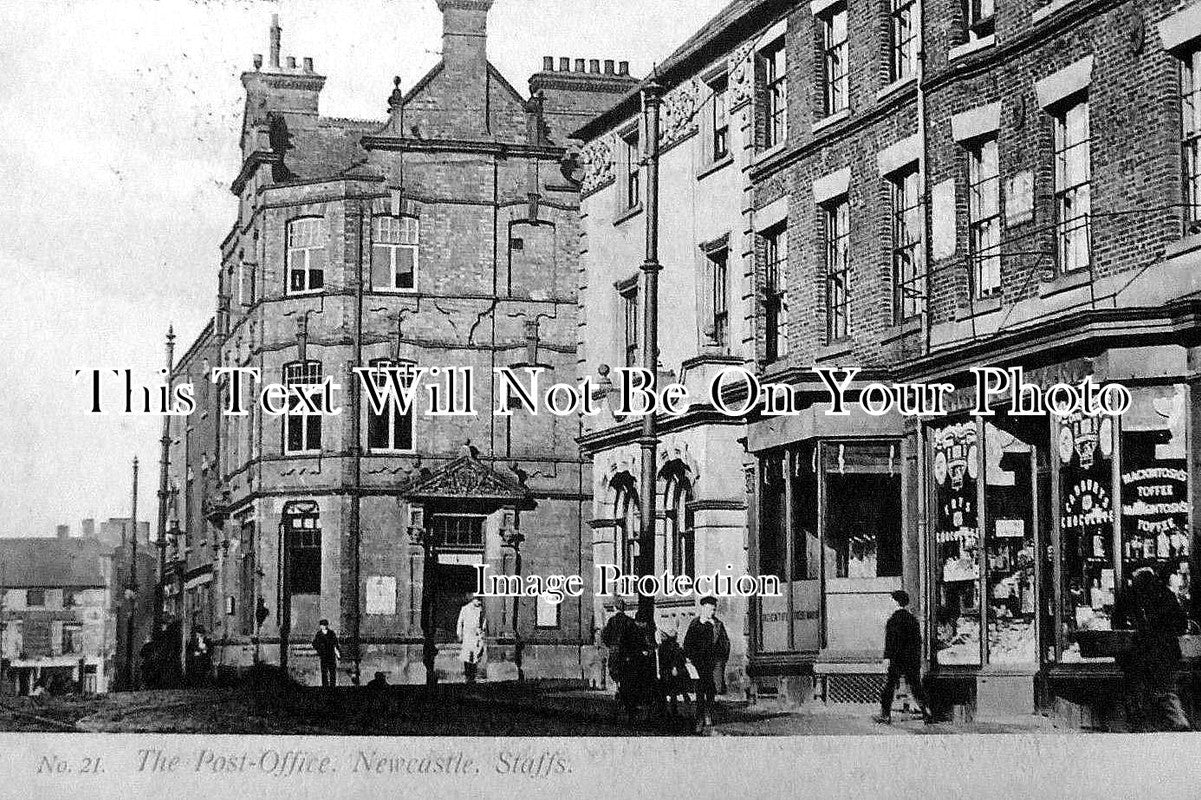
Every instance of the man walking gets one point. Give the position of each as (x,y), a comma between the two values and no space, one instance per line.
(1153,611)
(472,630)
(198,657)
(326,645)
(707,646)
(903,657)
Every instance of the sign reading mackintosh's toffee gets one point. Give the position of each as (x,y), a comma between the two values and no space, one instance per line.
(1155,513)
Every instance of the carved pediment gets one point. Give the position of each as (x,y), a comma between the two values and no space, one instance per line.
(466,477)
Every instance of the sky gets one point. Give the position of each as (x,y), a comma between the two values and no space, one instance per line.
(119,130)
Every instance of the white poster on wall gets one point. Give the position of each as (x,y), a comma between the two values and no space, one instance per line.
(381,594)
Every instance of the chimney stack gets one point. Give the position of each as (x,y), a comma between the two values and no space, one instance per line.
(275,37)
(63,531)
(465,34)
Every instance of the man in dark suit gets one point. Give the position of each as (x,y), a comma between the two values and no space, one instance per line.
(903,657)
(707,646)
(326,645)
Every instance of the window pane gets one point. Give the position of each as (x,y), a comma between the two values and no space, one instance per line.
(772,518)
(1084,447)
(1010,537)
(954,455)
(1155,503)
(405,258)
(381,267)
(863,510)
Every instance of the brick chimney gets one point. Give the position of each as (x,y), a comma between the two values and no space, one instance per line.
(574,94)
(465,34)
(63,531)
(277,90)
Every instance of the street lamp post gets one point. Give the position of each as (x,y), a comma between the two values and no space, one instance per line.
(164,474)
(652,95)
(421,535)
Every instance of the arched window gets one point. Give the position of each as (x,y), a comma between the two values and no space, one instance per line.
(306,254)
(395,241)
(302,427)
(390,431)
(302,537)
(680,557)
(626,512)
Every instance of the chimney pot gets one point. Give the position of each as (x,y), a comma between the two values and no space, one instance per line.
(548,63)
(258,61)
(594,65)
(579,65)
(623,67)
(564,64)
(608,66)
(291,62)
(308,64)
(62,531)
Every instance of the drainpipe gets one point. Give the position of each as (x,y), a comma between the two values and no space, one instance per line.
(923,161)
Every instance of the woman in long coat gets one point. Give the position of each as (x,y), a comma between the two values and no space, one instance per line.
(471,630)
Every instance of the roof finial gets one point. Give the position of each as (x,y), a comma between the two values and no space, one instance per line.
(396,99)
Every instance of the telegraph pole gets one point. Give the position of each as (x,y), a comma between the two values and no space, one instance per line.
(652,97)
(163,476)
(131,587)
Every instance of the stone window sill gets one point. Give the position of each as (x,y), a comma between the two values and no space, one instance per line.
(1063,283)
(1050,8)
(895,87)
(964,50)
(715,166)
(763,155)
(902,329)
(984,305)
(1185,245)
(628,214)
(834,350)
(829,121)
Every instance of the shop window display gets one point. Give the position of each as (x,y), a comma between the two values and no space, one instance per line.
(955,460)
(1154,487)
(1011,521)
(863,509)
(1084,447)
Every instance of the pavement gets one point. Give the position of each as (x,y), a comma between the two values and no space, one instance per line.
(483,709)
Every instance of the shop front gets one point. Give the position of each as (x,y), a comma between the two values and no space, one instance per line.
(1035,526)
(831,515)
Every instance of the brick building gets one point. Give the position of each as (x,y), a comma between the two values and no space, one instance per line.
(442,236)
(933,186)
(59,620)
(194,552)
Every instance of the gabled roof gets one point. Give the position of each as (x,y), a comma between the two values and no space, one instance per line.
(45,561)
